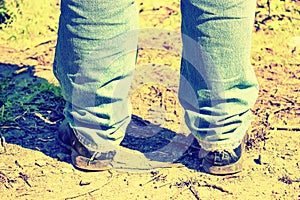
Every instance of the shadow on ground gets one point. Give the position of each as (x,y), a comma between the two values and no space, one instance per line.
(32,111)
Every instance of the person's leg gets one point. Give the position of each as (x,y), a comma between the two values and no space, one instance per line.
(94,62)
(218,86)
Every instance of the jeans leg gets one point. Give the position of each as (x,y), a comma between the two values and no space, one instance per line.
(94,63)
(218,86)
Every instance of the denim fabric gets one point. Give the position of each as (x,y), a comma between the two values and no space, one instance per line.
(95,59)
(94,63)
(218,86)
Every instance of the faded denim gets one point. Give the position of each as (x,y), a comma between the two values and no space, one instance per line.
(95,59)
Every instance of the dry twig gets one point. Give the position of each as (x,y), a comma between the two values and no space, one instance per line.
(193,190)
(285,128)
(189,185)
(24,177)
(3,144)
(216,187)
(92,191)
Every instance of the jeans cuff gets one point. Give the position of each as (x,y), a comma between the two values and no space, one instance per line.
(220,145)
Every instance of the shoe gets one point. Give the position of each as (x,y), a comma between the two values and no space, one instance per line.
(81,158)
(224,162)
(120,159)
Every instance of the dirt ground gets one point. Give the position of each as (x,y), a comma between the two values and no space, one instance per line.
(34,166)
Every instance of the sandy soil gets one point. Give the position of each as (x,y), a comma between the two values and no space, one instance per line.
(33,166)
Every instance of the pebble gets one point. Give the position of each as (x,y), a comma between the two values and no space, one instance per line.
(41,163)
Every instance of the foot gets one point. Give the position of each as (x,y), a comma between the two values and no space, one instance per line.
(121,159)
(81,158)
(224,162)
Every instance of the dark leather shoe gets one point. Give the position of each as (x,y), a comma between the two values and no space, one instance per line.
(80,156)
(223,162)
(121,159)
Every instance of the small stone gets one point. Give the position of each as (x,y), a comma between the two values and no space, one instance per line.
(258,160)
(84,183)
(40,163)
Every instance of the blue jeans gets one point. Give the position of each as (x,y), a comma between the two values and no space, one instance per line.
(96,55)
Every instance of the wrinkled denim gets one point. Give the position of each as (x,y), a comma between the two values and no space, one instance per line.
(218,86)
(95,59)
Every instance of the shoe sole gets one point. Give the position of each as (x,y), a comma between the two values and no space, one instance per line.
(226,169)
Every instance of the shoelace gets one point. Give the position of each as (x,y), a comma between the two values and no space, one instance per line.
(231,153)
(104,156)
(92,158)
(221,154)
